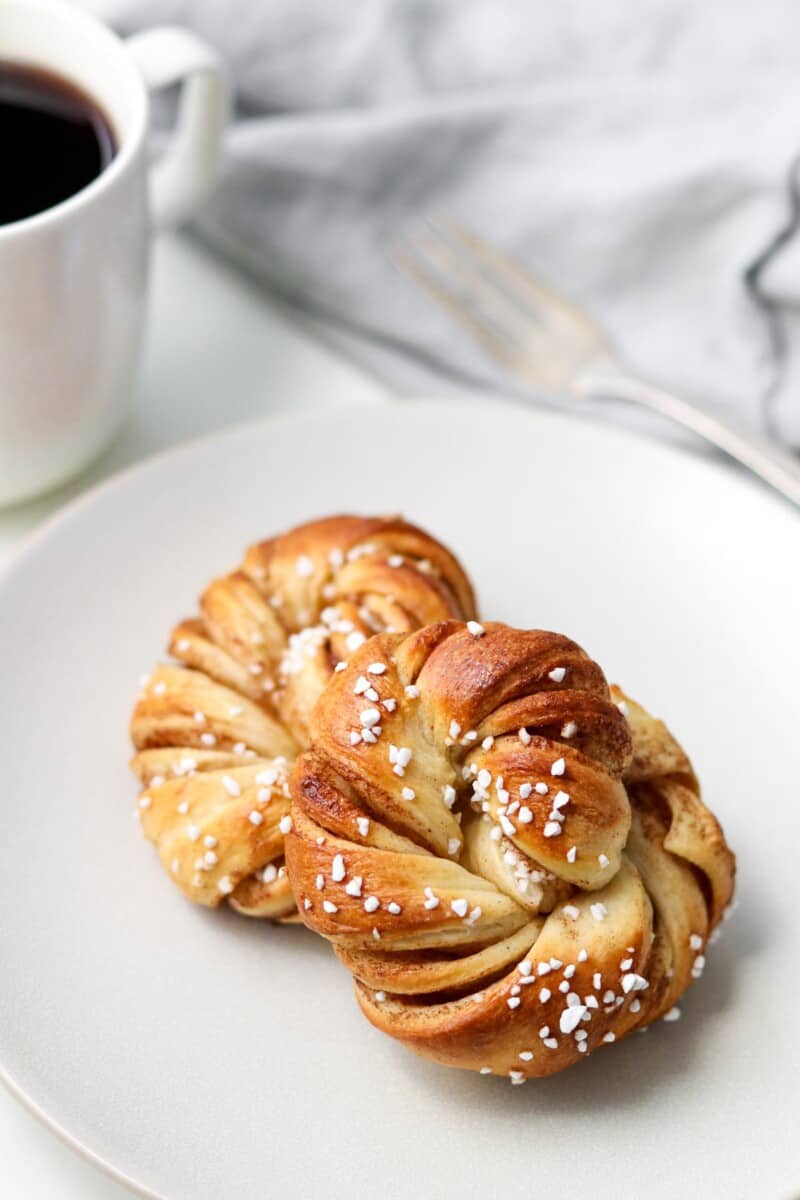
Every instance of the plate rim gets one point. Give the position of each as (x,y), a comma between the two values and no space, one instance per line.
(72,1141)
(51,526)
(739,477)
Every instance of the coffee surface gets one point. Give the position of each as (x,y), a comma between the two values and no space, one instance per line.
(54,140)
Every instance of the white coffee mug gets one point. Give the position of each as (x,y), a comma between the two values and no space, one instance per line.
(73,278)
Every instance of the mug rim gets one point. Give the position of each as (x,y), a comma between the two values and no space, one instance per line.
(129,145)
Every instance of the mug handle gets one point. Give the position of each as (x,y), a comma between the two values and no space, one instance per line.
(183,175)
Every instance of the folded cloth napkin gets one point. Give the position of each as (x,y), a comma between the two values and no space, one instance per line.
(640,154)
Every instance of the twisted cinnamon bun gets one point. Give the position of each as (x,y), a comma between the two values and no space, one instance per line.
(216,731)
(518,869)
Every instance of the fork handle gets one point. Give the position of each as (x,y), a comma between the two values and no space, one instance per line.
(773,464)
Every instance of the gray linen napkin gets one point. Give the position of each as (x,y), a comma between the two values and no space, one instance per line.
(639,153)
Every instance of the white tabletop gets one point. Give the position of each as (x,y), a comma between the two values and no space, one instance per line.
(219,351)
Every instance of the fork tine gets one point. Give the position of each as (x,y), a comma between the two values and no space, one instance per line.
(533,298)
(444,288)
(461,273)
(536,334)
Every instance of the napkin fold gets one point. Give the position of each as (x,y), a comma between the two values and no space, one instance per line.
(640,154)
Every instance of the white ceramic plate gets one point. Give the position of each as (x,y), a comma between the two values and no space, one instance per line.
(199,1055)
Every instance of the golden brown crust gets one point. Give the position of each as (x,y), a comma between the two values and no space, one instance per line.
(514,872)
(216,733)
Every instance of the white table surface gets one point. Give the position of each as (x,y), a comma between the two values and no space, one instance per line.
(218,351)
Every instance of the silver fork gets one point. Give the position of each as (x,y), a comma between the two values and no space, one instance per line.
(546,342)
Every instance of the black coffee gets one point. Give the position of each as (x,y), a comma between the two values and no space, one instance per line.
(54,140)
